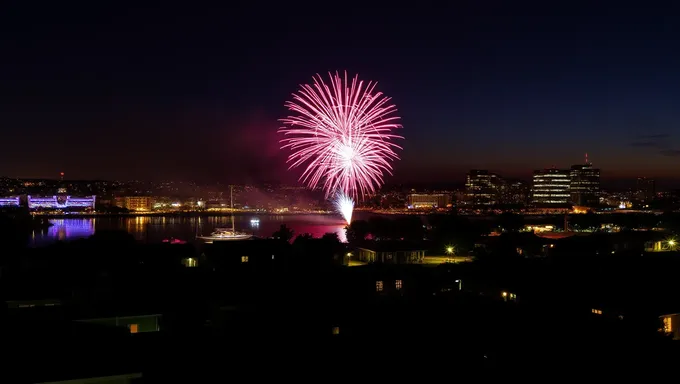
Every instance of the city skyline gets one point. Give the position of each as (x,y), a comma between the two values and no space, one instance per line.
(183,94)
(607,183)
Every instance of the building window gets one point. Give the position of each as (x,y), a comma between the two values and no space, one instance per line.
(379,286)
(596,311)
(244,259)
(667,325)
(134,328)
(398,284)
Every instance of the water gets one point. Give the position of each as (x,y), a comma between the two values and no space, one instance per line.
(158,228)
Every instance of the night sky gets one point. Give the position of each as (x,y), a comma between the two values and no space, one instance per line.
(195,94)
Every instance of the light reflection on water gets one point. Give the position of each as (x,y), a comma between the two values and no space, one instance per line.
(158,228)
(66,229)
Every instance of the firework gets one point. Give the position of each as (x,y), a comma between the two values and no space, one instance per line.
(341,135)
(345,205)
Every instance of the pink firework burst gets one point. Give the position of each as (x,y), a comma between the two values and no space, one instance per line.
(341,135)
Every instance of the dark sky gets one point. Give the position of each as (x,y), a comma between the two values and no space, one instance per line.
(195,94)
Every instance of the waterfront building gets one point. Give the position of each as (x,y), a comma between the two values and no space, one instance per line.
(428,200)
(61,202)
(134,203)
(9,201)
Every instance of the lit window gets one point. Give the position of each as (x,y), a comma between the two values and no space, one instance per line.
(244,259)
(597,311)
(134,328)
(336,330)
(379,286)
(398,284)
(667,325)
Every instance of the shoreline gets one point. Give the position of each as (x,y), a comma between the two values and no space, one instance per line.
(175,214)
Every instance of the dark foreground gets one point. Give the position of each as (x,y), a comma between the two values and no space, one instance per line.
(294,313)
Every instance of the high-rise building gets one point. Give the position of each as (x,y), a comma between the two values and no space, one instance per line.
(482,187)
(584,184)
(428,201)
(550,187)
(514,192)
(645,189)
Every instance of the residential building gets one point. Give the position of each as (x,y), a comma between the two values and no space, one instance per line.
(134,203)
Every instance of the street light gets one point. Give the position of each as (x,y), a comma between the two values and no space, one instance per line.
(449,250)
(460,284)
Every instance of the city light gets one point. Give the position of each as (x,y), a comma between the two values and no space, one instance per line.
(449,250)
(59,202)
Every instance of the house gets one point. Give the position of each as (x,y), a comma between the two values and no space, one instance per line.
(244,255)
(391,252)
(670,325)
(374,280)
(135,324)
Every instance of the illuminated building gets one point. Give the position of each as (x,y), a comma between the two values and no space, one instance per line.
(61,202)
(428,201)
(391,252)
(134,203)
(9,201)
(482,187)
(670,325)
(551,187)
(584,185)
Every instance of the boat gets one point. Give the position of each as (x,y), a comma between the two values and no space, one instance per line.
(226,234)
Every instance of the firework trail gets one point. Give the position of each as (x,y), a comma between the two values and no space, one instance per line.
(345,205)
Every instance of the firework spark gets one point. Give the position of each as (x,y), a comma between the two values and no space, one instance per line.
(345,205)
(341,135)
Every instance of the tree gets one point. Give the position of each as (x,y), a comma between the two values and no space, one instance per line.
(301,239)
(284,233)
(356,231)
(381,228)
(331,238)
